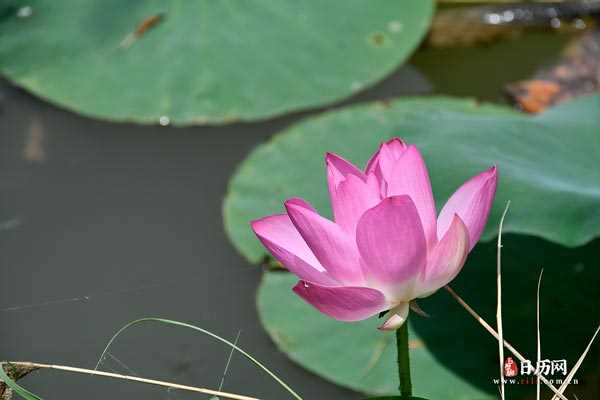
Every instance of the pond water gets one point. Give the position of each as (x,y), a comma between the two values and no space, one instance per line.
(104,223)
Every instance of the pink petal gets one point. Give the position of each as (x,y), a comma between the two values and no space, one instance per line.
(343,303)
(296,201)
(393,147)
(391,242)
(350,199)
(446,260)
(338,169)
(343,178)
(396,317)
(410,177)
(472,202)
(281,238)
(381,163)
(331,245)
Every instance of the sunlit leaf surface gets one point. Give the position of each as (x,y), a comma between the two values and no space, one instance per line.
(204,61)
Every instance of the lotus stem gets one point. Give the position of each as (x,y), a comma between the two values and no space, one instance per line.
(404,361)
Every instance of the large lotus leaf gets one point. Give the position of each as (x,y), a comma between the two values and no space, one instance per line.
(204,61)
(548,163)
(452,356)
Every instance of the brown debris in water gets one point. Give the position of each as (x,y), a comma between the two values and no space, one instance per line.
(576,74)
(15,373)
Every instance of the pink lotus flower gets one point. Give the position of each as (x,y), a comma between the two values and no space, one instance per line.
(387,245)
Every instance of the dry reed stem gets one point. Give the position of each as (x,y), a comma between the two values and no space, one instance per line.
(224,395)
(573,371)
(495,334)
(499,302)
(539,335)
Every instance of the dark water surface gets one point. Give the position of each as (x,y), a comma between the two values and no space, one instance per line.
(104,223)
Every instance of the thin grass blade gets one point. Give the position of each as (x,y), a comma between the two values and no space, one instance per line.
(205,332)
(575,368)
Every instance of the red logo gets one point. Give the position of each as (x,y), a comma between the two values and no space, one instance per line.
(510,367)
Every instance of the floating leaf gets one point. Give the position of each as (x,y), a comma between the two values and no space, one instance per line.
(204,61)
(452,356)
(547,163)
